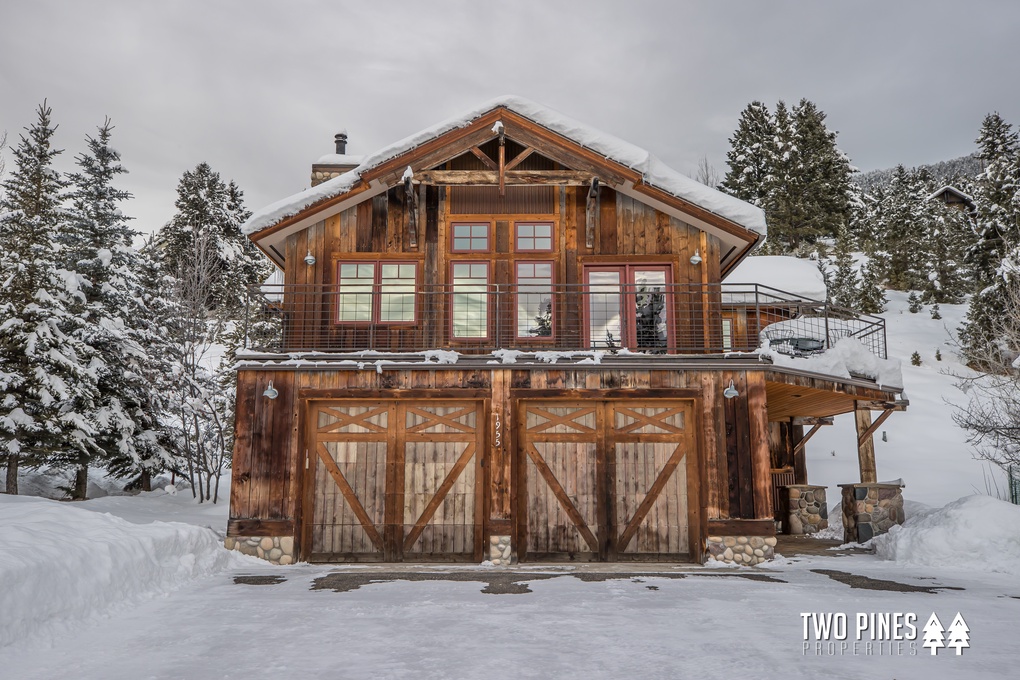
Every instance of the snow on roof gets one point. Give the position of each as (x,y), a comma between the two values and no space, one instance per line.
(788,274)
(340,159)
(654,172)
(950,189)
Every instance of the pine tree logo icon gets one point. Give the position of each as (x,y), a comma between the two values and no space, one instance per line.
(933,634)
(959,634)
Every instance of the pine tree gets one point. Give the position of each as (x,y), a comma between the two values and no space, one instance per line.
(47,383)
(872,298)
(788,163)
(211,213)
(845,289)
(914,302)
(902,226)
(98,244)
(750,157)
(995,259)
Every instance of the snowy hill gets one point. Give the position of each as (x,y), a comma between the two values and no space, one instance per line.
(943,172)
(922,445)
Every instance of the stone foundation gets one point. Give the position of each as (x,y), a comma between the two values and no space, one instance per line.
(740,549)
(275,549)
(870,510)
(806,511)
(500,551)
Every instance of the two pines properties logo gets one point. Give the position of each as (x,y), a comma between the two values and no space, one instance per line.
(878,633)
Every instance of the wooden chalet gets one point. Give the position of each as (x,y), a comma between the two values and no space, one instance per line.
(503,338)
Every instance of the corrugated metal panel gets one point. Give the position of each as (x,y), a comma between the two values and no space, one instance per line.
(487,201)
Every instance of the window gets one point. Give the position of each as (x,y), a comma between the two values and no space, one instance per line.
(727,334)
(534,300)
(469,238)
(533,236)
(628,306)
(376,292)
(470,306)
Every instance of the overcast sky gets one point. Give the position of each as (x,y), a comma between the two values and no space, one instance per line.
(257,89)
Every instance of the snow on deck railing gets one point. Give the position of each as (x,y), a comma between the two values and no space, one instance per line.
(474,317)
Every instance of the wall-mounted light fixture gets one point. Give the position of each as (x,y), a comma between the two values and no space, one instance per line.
(730,391)
(309,259)
(696,257)
(271,392)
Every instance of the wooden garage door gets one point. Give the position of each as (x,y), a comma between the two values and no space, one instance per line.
(605,480)
(396,481)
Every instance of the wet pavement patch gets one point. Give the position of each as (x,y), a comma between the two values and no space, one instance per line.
(501,583)
(258,580)
(867,583)
(497,583)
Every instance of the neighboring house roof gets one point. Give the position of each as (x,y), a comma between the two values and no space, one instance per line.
(788,274)
(641,174)
(951,190)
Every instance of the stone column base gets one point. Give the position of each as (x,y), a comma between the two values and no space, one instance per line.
(806,511)
(274,549)
(870,510)
(500,551)
(740,549)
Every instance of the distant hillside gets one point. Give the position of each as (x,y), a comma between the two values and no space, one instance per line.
(944,172)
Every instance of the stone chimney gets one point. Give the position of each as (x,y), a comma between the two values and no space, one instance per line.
(334,164)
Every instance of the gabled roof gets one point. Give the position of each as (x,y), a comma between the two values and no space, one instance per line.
(948,189)
(621,165)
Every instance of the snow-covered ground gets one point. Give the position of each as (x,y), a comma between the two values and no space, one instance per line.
(140,587)
(922,445)
(708,623)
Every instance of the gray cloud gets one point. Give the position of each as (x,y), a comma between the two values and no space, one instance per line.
(257,89)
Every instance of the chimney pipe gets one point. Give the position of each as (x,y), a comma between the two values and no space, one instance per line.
(341,142)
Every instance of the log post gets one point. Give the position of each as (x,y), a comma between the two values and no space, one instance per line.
(865,446)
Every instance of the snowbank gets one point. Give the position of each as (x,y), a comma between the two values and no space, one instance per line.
(653,171)
(60,564)
(975,533)
(845,359)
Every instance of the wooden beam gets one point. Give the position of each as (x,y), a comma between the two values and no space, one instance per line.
(484,158)
(799,447)
(897,405)
(874,426)
(741,527)
(260,527)
(502,162)
(510,177)
(865,447)
(519,158)
(591,213)
(807,420)
(565,151)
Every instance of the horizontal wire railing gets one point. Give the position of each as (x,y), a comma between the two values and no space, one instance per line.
(475,317)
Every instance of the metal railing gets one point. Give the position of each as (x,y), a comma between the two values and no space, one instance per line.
(478,318)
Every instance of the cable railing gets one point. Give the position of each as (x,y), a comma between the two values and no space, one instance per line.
(472,316)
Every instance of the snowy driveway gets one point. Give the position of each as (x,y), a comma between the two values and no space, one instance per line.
(707,623)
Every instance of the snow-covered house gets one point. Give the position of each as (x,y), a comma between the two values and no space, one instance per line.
(502,338)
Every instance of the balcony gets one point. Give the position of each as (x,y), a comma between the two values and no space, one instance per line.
(478,318)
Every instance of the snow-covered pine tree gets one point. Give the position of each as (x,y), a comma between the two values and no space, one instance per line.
(211,212)
(47,382)
(872,298)
(98,244)
(995,260)
(844,289)
(947,236)
(751,155)
(789,164)
(903,228)
(826,174)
